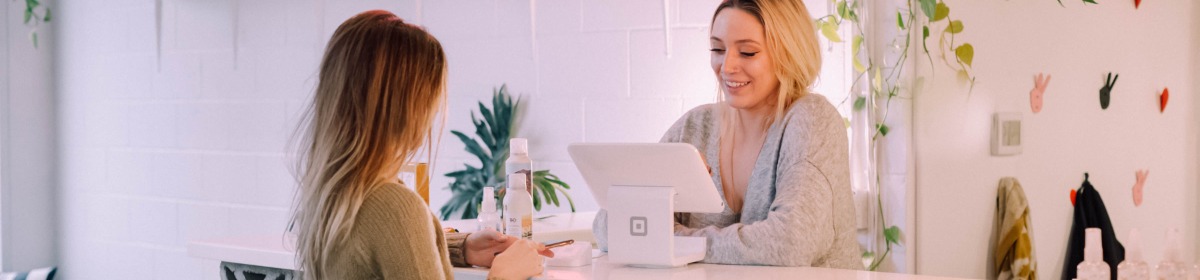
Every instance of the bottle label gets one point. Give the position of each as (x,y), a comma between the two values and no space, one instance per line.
(519,226)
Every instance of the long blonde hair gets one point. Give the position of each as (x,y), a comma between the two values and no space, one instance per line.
(381,83)
(791,40)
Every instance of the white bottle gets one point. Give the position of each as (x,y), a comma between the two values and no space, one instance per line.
(1172,266)
(488,218)
(1134,267)
(518,208)
(518,159)
(1093,266)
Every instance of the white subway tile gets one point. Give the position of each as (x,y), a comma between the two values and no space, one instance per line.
(258,221)
(204,126)
(260,23)
(456,21)
(687,71)
(139,24)
(129,262)
(258,127)
(621,14)
(590,64)
(152,125)
(176,174)
(176,264)
(629,120)
(695,12)
(557,17)
(224,75)
(286,72)
(177,76)
(154,221)
(200,25)
(107,218)
(225,177)
(129,171)
(478,65)
(124,76)
(201,221)
(275,186)
(514,18)
(304,23)
(551,123)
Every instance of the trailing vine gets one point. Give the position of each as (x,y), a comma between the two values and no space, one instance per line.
(33,18)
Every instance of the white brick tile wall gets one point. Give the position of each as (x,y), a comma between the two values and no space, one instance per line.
(621,14)
(153,221)
(605,74)
(687,72)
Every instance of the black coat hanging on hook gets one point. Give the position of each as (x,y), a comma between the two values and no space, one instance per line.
(1090,212)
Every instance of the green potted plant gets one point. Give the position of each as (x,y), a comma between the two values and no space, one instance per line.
(494,128)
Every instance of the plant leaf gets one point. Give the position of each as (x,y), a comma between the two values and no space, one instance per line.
(965,53)
(892,235)
(33,36)
(472,147)
(860,103)
(47,17)
(899,20)
(928,7)
(841,9)
(954,27)
(28,14)
(942,11)
(829,29)
(883,129)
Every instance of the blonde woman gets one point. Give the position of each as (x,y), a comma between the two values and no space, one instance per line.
(778,153)
(381,83)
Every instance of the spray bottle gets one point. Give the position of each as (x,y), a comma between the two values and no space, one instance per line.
(1134,267)
(1172,266)
(1093,266)
(518,160)
(488,218)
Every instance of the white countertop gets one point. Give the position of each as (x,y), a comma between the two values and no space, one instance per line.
(278,250)
(602,269)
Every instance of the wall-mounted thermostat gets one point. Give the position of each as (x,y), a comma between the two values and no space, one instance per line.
(1006,134)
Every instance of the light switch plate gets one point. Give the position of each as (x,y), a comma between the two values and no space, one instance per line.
(1006,134)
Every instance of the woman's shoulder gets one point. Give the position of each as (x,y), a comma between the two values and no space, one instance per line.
(392,199)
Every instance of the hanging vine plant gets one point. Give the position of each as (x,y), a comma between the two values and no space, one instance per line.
(33,18)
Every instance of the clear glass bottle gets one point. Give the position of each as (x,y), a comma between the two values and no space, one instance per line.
(519,161)
(1093,266)
(1134,267)
(1172,266)
(488,217)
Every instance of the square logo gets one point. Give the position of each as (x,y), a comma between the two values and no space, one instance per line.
(637,226)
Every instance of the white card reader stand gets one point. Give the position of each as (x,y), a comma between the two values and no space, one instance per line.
(642,186)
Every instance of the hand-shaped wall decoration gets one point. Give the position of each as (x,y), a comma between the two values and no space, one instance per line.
(1106,91)
(1162,100)
(1137,4)
(1039,89)
(1137,187)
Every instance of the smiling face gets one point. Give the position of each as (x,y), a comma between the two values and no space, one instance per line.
(741,62)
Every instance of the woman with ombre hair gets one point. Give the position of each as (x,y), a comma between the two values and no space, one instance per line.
(778,153)
(382,82)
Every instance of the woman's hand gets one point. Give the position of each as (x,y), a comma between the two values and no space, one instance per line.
(483,246)
(520,261)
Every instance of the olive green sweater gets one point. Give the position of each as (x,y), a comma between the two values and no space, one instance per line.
(395,236)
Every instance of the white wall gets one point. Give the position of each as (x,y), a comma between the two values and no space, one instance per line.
(27,145)
(1014,40)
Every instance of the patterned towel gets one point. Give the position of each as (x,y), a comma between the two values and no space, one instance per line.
(1014,258)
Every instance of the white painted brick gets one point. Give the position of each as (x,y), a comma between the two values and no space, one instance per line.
(257,126)
(129,262)
(224,75)
(629,120)
(514,18)
(304,23)
(125,76)
(551,123)
(129,171)
(621,14)
(86,171)
(258,221)
(589,64)
(152,125)
(225,178)
(153,221)
(695,12)
(688,70)
(478,65)
(557,17)
(286,73)
(178,76)
(201,221)
(138,22)
(337,12)
(176,264)
(260,23)
(107,218)
(457,21)
(176,174)
(199,25)
(204,126)
(275,186)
